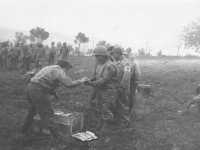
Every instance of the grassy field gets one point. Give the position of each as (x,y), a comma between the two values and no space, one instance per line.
(159,123)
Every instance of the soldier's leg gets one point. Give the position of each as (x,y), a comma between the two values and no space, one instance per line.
(132,97)
(108,100)
(43,106)
(28,119)
(108,103)
(123,106)
(52,60)
(49,60)
(27,63)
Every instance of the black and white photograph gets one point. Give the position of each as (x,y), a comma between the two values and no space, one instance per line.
(99,75)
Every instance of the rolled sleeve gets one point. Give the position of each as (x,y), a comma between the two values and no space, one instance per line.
(67,81)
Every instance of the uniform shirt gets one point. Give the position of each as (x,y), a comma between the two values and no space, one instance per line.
(4,51)
(135,71)
(64,52)
(106,76)
(40,53)
(16,52)
(47,75)
(26,53)
(52,51)
(123,72)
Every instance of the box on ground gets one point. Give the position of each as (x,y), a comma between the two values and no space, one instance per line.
(68,122)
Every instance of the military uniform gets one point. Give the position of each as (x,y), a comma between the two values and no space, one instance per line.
(3,55)
(52,54)
(26,58)
(135,78)
(40,55)
(106,82)
(123,75)
(15,56)
(42,84)
(64,53)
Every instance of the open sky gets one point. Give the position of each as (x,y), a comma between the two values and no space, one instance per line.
(129,23)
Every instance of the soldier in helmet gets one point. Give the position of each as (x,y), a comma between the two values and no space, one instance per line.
(124,71)
(105,80)
(40,55)
(3,54)
(14,55)
(26,57)
(42,84)
(52,54)
(64,52)
(134,82)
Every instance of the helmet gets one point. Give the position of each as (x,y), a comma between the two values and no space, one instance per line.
(110,48)
(52,43)
(64,43)
(40,45)
(100,50)
(117,50)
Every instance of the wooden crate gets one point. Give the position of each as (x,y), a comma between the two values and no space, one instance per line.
(69,125)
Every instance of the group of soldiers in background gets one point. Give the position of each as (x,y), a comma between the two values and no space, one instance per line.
(25,54)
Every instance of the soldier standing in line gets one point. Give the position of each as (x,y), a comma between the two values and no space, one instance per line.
(26,58)
(64,52)
(3,54)
(105,80)
(15,56)
(52,54)
(94,89)
(124,71)
(135,79)
(40,55)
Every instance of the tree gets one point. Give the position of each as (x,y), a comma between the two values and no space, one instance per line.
(191,35)
(71,49)
(81,38)
(178,44)
(89,52)
(128,50)
(103,43)
(20,37)
(159,53)
(76,51)
(38,35)
(141,52)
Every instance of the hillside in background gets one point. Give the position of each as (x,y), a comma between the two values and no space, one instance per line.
(9,34)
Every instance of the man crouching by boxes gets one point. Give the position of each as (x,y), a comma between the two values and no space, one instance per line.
(42,84)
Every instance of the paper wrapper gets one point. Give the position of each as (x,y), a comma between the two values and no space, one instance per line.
(85,136)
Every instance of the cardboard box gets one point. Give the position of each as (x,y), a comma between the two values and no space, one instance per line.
(68,122)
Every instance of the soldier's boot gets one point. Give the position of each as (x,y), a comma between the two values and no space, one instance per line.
(105,128)
(99,124)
